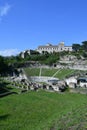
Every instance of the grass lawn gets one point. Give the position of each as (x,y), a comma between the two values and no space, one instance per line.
(64,72)
(43,111)
(58,73)
(32,71)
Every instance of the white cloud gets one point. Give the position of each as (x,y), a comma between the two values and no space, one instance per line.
(4,9)
(9,52)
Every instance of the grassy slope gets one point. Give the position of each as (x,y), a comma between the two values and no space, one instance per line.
(48,72)
(32,71)
(64,72)
(42,111)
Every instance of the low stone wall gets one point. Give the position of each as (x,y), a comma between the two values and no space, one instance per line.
(75,67)
(7,93)
(41,78)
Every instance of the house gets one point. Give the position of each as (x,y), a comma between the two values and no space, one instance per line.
(82,81)
(54,48)
(71,82)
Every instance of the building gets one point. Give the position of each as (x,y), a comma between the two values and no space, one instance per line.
(82,82)
(26,53)
(54,48)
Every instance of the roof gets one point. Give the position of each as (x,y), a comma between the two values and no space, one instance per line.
(82,78)
(52,46)
(48,47)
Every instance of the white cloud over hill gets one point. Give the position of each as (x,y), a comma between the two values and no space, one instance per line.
(9,52)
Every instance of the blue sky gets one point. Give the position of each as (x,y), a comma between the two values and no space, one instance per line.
(26,24)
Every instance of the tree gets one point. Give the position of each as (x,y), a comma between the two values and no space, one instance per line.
(84,45)
(76,47)
(3,66)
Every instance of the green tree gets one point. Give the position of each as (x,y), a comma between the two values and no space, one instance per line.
(76,47)
(3,66)
(84,45)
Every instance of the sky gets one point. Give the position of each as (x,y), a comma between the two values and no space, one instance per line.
(26,24)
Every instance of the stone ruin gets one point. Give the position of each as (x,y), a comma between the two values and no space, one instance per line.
(35,83)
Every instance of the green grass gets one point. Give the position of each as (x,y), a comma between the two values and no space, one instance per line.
(32,71)
(48,72)
(43,111)
(64,72)
(61,73)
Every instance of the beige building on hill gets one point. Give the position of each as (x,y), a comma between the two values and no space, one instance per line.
(54,48)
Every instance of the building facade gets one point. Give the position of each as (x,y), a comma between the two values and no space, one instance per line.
(27,53)
(54,48)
